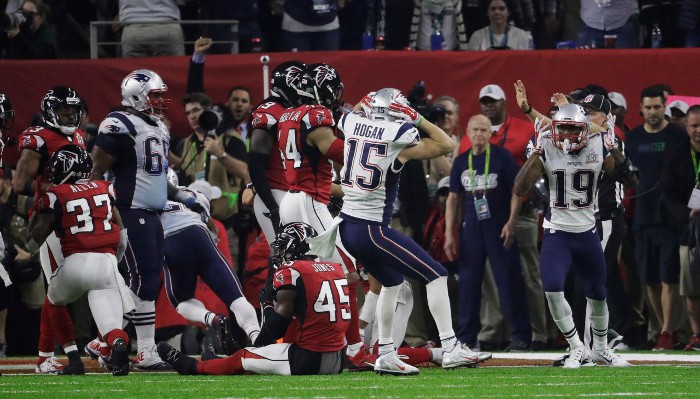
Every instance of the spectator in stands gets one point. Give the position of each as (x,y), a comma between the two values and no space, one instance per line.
(690,21)
(499,34)
(657,242)
(618,105)
(34,38)
(243,11)
(311,26)
(151,40)
(679,178)
(443,15)
(481,183)
(608,17)
(539,17)
(666,15)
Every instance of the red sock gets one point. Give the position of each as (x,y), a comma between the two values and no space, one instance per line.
(47,339)
(352,334)
(230,365)
(61,322)
(414,356)
(111,336)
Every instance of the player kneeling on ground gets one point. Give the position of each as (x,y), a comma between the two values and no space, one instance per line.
(83,216)
(315,292)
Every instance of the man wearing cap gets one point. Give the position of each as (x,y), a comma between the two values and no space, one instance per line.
(678,109)
(657,242)
(481,183)
(513,134)
(618,106)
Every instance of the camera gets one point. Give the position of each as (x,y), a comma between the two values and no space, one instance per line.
(209,121)
(15,19)
(265,59)
(416,97)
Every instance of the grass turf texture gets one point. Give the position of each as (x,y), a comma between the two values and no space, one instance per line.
(483,382)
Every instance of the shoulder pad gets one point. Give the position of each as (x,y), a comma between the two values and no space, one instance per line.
(117,123)
(285,276)
(317,116)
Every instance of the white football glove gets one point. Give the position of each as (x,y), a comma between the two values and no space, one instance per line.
(121,247)
(540,129)
(609,135)
(405,112)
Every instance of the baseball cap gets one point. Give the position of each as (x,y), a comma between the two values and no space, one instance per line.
(617,99)
(578,95)
(209,191)
(444,182)
(596,102)
(492,91)
(679,105)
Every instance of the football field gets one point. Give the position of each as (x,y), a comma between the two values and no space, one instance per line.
(644,380)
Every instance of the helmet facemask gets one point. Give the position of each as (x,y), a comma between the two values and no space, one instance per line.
(157,103)
(570,136)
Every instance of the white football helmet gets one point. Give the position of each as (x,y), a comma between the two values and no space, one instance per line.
(379,102)
(172,177)
(144,90)
(570,128)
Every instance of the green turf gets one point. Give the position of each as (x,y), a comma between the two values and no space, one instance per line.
(485,382)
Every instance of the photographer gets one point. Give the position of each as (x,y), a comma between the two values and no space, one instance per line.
(27,33)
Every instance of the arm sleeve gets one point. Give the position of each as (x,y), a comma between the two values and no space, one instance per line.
(195,77)
(257,163)
(113,144)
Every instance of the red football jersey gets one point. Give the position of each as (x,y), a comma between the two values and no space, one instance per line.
(83,214)
(46,141)
(306,169)
(322,305)
(266,117)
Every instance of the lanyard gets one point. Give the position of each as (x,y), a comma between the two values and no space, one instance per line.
(504,41)
(486,170)
(506,126)
(695,166)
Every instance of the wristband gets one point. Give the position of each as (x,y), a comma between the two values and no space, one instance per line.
(420,119)
(528,110)
(224,155)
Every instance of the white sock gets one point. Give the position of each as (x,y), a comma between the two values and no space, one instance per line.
(436,355)
(46,354)
(194,310)
(144,319)
(354,348)
(587,326)
(369,308)
(70,348)
(599,323)
(439,304)
(386,307)
(561,313)
(246,317)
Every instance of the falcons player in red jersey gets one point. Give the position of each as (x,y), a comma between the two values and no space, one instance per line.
(62,112)
(314,292)
(82,214)
(264,160)
(307,144)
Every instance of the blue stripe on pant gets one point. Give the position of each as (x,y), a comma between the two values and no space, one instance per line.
(479,240)
(562,250)
(144,256)
(191,253)
(387,254)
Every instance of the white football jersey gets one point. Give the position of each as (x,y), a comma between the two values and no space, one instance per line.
(177,216)
(370,174)
(140,174)
(573,184)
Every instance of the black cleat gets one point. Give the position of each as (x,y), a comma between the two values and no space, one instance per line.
(225,336)
(184,365)
(73,368)
(207,350)
(120,358)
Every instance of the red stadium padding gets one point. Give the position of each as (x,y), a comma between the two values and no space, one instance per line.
(460,74)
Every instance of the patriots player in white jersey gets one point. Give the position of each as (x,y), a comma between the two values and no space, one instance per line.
(132,143)
(571,159)
(190,252)
(378,141)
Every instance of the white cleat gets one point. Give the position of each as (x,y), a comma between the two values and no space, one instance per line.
(49,366)
(462,356)
(579,356)
(391,364)
(609,358)
(149,360)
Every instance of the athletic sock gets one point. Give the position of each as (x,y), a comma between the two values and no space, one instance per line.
(194,311)
(599,323)
(439,304)
(386,306)
(230,365)
(561,313)
(352,334)
(246,317)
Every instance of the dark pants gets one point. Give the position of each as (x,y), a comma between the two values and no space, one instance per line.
(312,41)
(618,304)
(191,253)
(144,255)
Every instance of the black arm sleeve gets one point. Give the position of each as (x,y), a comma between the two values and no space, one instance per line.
(274,327)
(115,145)
(257,163)
(195,77)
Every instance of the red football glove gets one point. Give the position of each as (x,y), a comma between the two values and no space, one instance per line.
(405,112)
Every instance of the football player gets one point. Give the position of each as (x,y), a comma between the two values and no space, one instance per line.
(571,159)
(62,111)
(307,144)
(378,141)
(190,252)
(264,161)
(314,292)
(82,214)
(132,143)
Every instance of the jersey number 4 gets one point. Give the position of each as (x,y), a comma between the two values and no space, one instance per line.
(326,301)
(291,151)
(372,179)
(81,207)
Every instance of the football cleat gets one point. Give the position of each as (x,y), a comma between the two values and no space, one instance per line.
(578,357)
(49,366)
(225,335)
(391,364)
(462,356)
(363,360)
(120,358)
(207,349)
(73,368)
(609,357)
(184,365)
(148,360)
(96,348)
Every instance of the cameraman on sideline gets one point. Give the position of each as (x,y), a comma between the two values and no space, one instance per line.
(27,33)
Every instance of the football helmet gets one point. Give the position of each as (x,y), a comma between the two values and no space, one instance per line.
(290,243)
(144,90)
(172,177)
(570,128)
(285,81)
(69,164)
(321,85)
(378,107)
(7,114)
(62,109)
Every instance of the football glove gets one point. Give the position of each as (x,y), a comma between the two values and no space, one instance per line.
(121,247)
(609,136)
(405,112)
